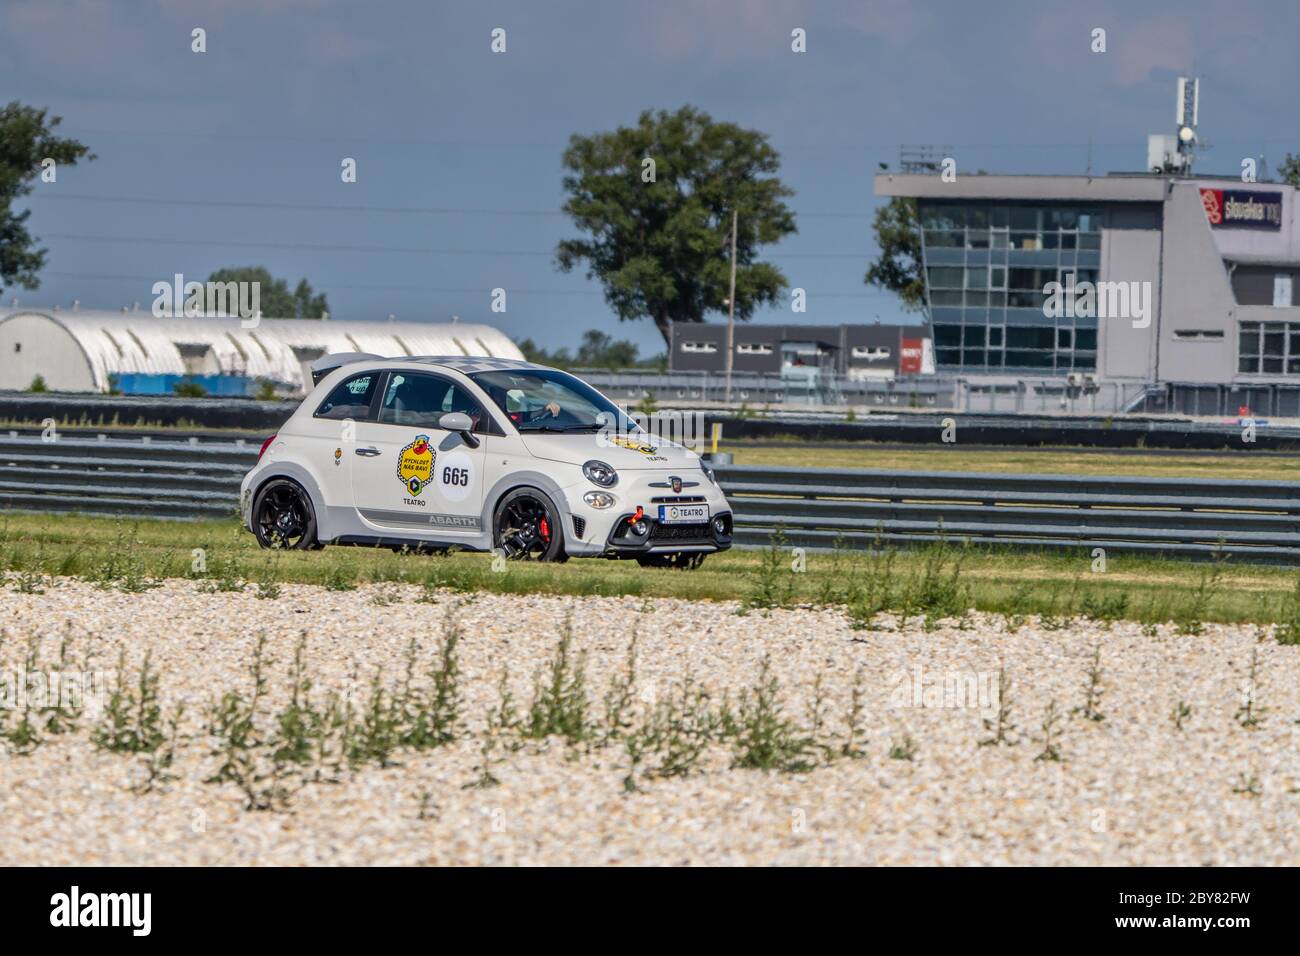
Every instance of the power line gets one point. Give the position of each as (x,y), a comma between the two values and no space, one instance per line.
(412,250)
(442,290)
(314,247)
(793,146)
(324,207)
(336,285)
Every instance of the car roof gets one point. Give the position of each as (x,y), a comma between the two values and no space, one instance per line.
(465,364)
(473,363)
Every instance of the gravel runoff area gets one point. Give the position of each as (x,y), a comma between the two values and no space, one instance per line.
(1131,788)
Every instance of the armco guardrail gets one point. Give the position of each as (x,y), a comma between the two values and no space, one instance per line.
(1246,520)
(129,476)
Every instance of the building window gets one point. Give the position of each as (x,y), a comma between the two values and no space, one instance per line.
(947,335)
(1282,290)
(943,240)
(704,347)
(753,348)
(945,277)
(1268,348)
(871,351)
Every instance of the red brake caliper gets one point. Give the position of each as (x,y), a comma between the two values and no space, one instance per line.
(545,529)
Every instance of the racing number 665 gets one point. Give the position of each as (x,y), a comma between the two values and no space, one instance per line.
(455,476)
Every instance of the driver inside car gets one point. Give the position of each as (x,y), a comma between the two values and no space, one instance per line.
(520,415)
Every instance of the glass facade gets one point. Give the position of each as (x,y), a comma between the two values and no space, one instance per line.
(986,265)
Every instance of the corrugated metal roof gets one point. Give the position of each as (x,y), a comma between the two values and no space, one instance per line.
(394,339)
(139,342)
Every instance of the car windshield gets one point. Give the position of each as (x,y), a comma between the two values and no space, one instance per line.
(545,400)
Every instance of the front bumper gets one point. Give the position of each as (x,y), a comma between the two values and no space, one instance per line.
(593,532)
(668,538)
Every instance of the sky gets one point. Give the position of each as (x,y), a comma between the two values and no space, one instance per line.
(233,156)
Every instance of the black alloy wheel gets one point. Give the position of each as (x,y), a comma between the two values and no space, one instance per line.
(528,527)
(284,518)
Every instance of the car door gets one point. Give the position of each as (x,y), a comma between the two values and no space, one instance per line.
(408,474)
(324,440)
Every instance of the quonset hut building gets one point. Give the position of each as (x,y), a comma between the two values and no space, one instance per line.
(136,352)
(1208,271)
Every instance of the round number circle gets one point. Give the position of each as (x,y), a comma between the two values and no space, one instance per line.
(456,476)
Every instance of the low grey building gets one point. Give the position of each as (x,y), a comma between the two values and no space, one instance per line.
(856,352)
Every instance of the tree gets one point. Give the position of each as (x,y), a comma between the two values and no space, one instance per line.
(560,358)
(598,350)
(898,233)
(1290,170)
(275,299)
(26,140)
(656,201)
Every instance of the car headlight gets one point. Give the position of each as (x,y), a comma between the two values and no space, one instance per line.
(708,472)
(599,499)
(599,473)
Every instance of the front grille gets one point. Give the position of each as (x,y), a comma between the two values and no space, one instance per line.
(579,526)
(679,532)
(679,500)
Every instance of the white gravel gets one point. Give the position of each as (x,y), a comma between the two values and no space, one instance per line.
(1130,789)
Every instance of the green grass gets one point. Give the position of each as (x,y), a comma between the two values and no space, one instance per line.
(219,555)
(1073,461)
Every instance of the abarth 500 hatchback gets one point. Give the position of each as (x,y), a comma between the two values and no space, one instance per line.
(441,453)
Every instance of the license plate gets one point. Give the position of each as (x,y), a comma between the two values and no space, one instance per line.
(683,514)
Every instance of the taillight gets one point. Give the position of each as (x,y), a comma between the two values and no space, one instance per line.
(265,445)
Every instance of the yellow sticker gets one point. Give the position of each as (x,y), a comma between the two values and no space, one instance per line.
(415,464)
(633,444)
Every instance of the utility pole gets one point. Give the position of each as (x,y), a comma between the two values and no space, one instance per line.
(731,304)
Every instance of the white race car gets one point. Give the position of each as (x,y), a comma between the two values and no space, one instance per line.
(445,453)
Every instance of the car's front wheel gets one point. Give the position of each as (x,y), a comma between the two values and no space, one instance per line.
(682,560)
(283,517)
(527,527)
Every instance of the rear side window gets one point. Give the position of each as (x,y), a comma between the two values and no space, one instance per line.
(419,400)
(350,398)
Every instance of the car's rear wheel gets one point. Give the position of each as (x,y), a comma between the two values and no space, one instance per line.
(283,517)
(527,527)
(681,560)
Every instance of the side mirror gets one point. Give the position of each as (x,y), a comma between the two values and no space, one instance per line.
(459,422)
